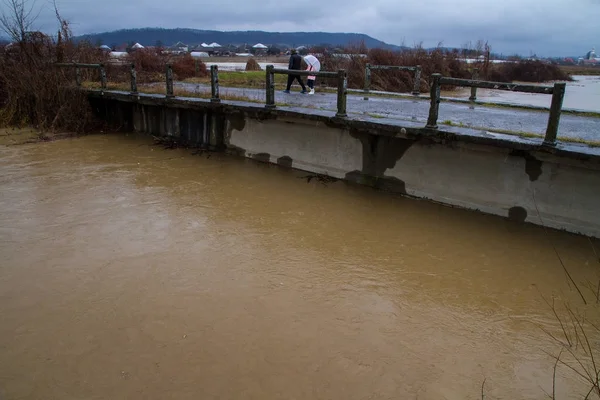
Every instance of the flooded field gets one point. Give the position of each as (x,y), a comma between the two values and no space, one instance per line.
(132,272)
(241,66)
(581,94)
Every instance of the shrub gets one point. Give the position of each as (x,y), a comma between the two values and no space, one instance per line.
(187,67)
(149,64)
(439,60)
(528,71)
(35,92)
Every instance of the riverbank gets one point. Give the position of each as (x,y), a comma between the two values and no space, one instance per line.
(17,136)
(580,70)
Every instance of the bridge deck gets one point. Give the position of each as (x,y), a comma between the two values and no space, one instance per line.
(398,127)
(498,119)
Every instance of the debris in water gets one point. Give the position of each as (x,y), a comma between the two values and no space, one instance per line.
(324,179)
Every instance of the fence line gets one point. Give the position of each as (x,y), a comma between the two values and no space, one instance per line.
(437,80)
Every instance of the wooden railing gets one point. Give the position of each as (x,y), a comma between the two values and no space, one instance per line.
(437,80)
(79,66)
(557,91)
(342,85)
(416,80)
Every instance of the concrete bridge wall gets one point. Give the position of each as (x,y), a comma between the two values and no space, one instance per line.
(509,178)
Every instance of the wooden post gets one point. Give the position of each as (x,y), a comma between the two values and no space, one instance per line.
(558,96)
(474,76)
(214,84)
(169,81)
(434,108)
(367,81)
(102,77)
(342,91)
(270,87)
(133,79)
(417,83)
(77,76)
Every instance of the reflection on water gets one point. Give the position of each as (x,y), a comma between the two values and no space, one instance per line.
(128,271)
(581,94)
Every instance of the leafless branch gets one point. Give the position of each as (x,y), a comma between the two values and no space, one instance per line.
(597,258)
(18,18)
(482,389)
(562,326)
(554,375)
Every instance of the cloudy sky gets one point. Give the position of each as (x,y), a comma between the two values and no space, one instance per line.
(546,27)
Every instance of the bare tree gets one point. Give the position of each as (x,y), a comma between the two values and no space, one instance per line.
(18,17)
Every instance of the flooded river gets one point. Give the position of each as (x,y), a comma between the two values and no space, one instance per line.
(132,272)
(583,94)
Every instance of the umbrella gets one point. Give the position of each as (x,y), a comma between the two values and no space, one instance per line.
(313,62)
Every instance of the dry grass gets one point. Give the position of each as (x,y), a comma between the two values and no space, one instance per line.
(579,353)
(527,71)
(580,70)
(252,65)
(33,92)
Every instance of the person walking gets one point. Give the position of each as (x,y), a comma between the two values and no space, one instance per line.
(313,65)
(295,64)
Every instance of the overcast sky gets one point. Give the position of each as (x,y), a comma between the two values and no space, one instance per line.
(546,27)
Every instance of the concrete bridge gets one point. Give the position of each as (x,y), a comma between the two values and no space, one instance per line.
(518,178)
(574,125)
(458,154)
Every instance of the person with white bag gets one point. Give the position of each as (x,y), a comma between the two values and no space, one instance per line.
(313,65)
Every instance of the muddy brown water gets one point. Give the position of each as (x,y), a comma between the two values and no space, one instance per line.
(128,271)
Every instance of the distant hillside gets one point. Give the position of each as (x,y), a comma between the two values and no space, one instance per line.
(150,36)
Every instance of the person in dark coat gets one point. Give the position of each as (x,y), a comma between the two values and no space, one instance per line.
(295,64)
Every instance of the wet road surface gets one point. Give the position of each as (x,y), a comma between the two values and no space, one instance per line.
(407,109)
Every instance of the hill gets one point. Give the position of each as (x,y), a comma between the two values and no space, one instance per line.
(150,36)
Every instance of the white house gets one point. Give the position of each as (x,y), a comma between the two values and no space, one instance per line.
(118,54)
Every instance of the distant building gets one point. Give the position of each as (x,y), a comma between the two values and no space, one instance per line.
(260,49)
(199,54)
(591,55)
(590,58)
(212,49)
(118,55)
(180,47)
(105,48)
